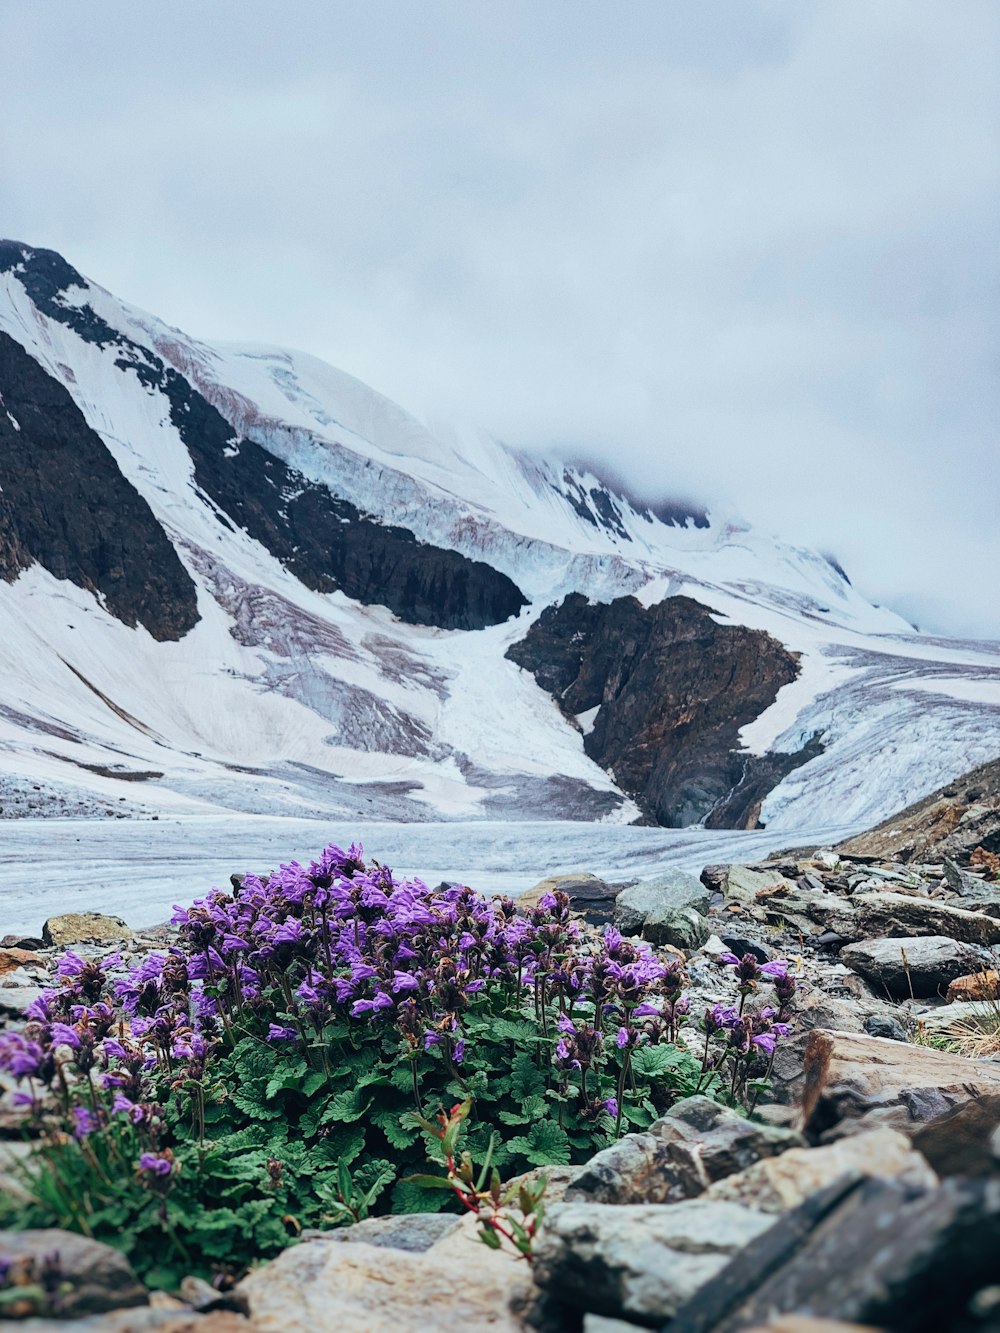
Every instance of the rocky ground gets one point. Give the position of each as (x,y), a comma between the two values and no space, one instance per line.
(864,1193)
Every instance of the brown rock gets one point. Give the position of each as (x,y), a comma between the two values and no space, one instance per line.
(588,894)
(13,958)
(779,1183)
(951,821)
(849,1076)
(976,986)
(219,1321)
(455,1286)
(85,928)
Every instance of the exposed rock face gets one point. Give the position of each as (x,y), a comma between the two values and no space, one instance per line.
(849,1076)
(679,1156)
(322,538)
(64,504)
(672,688)
(640,1261)
(779,1183)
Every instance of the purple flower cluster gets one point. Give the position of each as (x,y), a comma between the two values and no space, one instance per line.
(296,960)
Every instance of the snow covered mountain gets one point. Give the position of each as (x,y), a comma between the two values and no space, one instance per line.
(235,578)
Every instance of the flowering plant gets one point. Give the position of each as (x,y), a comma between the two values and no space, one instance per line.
(277,1066)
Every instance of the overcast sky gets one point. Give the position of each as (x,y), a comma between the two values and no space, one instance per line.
(746,249)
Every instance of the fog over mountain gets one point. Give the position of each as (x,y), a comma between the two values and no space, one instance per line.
(744,252)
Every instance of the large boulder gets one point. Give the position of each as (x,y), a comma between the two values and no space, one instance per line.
(875,1252)
(638,1261)
(674,888)
(777,1184)
(589,895)
(963,1142)
(93,1277)
(679,927)
(85,928)
(849,1076)
(352,1287)
(740,884)
(904,967)
(902,914)
(680,1155)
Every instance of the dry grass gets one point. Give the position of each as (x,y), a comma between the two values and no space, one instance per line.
(978,1035)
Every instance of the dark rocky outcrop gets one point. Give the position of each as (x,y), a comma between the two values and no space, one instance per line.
(322,538)
(64,504)
(672,688)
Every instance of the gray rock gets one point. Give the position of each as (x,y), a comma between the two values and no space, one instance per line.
(415,1232)
(99,1277)
(680,927)
(813,1009)
(884,1025)
(899,914)
(679,1156)
(781,1183)
(674,888)
(965,884)
(868,1253)
(899,967)
(641,1262)
(742,885)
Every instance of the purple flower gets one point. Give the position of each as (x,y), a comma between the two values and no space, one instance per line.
(610,1104)
(20,1056)
(778,967)
(766,1041)
(404,981)
(458,1054)
(84,1122)
(277,1033)
(622,1038)
(64,1035)
(156,1164)
(40,1009)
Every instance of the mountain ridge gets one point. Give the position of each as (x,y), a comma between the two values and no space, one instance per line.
(362,588)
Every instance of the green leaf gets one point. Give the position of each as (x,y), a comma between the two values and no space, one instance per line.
(341,1143)
(395,1128)
(546,1144)
(348,1105)
(428,1182)
(526,1078)
(410,1198)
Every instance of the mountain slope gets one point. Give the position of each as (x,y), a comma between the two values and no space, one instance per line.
(235,577)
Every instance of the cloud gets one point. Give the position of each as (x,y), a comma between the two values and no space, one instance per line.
(746,250)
